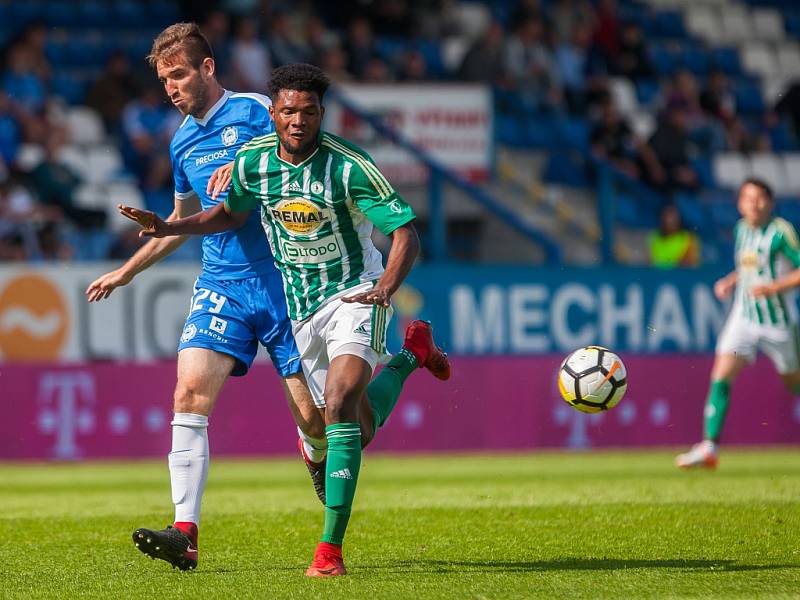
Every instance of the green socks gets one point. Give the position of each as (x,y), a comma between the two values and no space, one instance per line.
(716,409)
(384,390)
(341,476)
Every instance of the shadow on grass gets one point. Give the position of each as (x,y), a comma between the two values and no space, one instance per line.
(579,564)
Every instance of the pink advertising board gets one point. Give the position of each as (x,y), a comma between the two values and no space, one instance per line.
(109,410)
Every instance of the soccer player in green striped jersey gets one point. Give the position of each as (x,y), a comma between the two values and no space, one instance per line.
(319,197)
(764,312)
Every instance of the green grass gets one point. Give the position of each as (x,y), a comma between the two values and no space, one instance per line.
(593,525)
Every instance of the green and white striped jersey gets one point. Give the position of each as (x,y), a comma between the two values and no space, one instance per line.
(318,215)
(764,254)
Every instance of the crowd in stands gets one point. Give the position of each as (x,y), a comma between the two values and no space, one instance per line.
(543,57)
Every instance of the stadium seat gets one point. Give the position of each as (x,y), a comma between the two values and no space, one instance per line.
(85,126)
(789,209)
(736,23)
(693,212)
(104,164)
(730,169)
(724,213)
(471,18)
(759,58)
(770,168)
(703,22)
(703,168)
(453,51)
(749,98)
(788,59)
(624,95)
(74,158)
(647,91)
(643,123)
(727,59)
(791,164)
(767,24)
(29,156)
(669,24)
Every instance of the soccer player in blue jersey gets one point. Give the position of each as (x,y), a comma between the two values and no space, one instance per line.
(238,298)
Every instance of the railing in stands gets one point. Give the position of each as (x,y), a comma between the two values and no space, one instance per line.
(439,174)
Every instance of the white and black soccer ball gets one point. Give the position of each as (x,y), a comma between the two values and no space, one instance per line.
(592,379)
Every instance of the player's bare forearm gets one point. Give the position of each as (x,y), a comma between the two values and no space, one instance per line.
(211,220)
(403,253)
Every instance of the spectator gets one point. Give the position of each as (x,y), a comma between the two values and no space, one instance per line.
(613,140)
(526,9)
(718,100)
(22,83)
(573,60)
(567,14)
(706,133)
(334,63)
(282,47)
(413,66)
(113,90)
(55,184)
(318,40)
(359,46)
(672,145)
(672,245)
(216,28)
(35,39)
(789,105)
(607,30)
(376,71)
(632,60)
(249,57)
(531,67)
(10,133)
(147,126)
(484,61)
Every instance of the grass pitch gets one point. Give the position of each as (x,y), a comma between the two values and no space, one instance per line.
(592,525)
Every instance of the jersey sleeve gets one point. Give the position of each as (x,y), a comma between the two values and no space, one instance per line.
(376,197)
(789,244)
(183,188)
(240,197)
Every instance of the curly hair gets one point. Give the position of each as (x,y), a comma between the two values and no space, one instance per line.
(177,37)
(298,76)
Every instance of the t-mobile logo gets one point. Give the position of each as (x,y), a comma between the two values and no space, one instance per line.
(65,399)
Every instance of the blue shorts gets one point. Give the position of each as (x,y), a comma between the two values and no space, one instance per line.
(232,317)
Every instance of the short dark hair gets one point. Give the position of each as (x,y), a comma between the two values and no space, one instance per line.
(177,37)
(759,183)
(301,77)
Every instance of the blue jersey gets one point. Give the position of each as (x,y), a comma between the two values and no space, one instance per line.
(198,148)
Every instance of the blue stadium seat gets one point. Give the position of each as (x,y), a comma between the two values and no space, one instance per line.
(789,209)
(69,87)
(566,168)
(749,98)
(129,13)
(662,58)
(390,48)
(574,134)
(727,59)
(22,13)
(162,13)
(669,24)
(724,214)
(697,60)
(693,212)
(702,165)
(647,91)
(432,52)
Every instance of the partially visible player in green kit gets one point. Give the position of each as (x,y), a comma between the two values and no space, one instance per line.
(319,197)
(764,313)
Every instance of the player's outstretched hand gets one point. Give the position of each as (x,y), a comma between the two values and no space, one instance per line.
(101,288)
(723,288)
(760,291)
(376,295)
(152,225)
(220,180)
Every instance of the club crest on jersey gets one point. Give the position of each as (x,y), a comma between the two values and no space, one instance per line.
(316,187)
(299,216)
(748,259)
(229,136)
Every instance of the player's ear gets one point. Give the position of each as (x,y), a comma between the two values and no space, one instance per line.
(271,109)
(208,67)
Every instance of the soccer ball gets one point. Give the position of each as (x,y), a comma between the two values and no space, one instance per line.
(592,379)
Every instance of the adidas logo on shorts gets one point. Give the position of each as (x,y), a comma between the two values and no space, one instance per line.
(362,329)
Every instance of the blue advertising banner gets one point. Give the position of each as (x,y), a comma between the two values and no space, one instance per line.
(521,310)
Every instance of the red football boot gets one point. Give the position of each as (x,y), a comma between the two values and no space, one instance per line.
(419,341)
(327,561)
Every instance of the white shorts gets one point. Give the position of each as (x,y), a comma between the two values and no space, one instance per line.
(745,338)
(338,328)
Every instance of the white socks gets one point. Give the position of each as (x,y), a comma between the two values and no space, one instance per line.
(315,449)
(188,465)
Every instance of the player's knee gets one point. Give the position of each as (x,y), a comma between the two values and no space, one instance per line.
(189,399)
(314,429)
